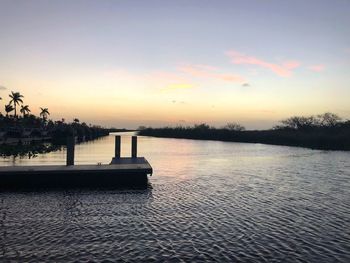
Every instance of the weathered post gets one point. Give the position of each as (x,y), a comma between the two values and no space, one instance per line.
(70,150)
(117,147)
(134,146)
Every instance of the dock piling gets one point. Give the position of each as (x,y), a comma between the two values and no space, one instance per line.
(123,171)
(134,147)
(117,147)
(70,150)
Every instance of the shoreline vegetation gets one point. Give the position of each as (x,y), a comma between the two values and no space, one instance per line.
(325,132)
(26,135)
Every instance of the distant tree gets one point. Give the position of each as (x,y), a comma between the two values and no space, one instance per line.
(301,123)
(232,126)
(202,126)
(328,119)
(44,113)
(298,122)
(76,120)
(8,109)
(25,110)
(16,99)
(140,128)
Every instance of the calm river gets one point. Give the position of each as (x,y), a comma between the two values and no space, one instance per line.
(207,201)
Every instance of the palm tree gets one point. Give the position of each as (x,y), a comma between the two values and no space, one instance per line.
(25,110)
(44,113)
(8,109)
(16,98)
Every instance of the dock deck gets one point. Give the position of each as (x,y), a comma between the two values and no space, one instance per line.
(120,171)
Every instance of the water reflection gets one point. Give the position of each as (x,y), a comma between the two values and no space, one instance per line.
(208,201)
(100,150)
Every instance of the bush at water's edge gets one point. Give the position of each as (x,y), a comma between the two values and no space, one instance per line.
(325,132)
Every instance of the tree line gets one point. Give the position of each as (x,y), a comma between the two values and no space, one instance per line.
(325,120)
(16,99)
(15,125)
(323,131)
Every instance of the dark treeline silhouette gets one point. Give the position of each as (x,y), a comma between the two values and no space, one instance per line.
(28,125)
(26,131)
(326,131)
(32,126)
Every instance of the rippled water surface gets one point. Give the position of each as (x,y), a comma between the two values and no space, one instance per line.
(207,201)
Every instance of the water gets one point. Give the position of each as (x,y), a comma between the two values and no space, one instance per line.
(208,201)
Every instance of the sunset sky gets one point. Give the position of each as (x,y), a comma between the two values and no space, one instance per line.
(130,63)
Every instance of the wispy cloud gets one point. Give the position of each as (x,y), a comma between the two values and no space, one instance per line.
(283,70)
(3,88)
(245,84)
(181,78)
(291,64)
(205,71)
(317,68)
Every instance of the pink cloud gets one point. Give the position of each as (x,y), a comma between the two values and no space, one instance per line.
(291,64)
(317,68)
(205,71)
(283,70)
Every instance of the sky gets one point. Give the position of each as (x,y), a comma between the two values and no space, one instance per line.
(155,63)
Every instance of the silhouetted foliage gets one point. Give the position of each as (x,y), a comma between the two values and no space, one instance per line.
(325,131)
(8,108)
(44,113)
(16,99)
(312,122)
(25,110)
(232,126)
(23,135)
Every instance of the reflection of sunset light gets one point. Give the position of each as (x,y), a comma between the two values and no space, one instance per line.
(178,161)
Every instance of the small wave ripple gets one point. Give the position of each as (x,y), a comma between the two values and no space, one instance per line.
(242,208)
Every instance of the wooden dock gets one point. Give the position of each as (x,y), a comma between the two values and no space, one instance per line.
(121,171)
